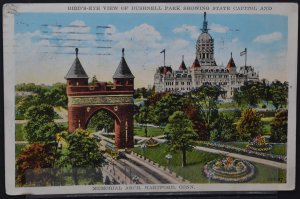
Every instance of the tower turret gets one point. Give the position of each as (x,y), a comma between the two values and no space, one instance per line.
(76,75)
(123,78)
(231,65)
(196,64)
(182,65)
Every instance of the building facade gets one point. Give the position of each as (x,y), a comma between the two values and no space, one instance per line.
(203,71)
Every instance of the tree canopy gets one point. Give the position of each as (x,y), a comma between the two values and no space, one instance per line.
(82,152)
(180,134)
(40,127)
(249,125)
(279,127)
(31,162)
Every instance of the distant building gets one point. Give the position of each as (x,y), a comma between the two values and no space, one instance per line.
(203,71)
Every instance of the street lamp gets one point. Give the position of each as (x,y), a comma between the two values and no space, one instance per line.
(169,158)
(144,146)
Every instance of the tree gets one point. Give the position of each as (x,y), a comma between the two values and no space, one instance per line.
(279,93)
(180,134)
(249,125)
(82,152)
(144,116)
(204,99)
(31,165)
(224,129)
(279,126)
(200,126)
(166,106)
(56,95)
(40,127)
(102,120)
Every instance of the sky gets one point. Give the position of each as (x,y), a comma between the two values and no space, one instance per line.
(45,43)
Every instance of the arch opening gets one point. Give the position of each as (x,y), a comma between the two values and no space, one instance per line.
(102,121)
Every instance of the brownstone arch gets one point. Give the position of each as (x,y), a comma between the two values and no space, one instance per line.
(85,100)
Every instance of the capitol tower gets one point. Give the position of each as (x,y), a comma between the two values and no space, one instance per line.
(205,46)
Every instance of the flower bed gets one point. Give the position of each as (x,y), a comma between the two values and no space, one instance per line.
(259,144)
(279,158)
(229,170)
(151,142)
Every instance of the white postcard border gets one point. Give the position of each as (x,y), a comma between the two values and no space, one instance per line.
(287,9)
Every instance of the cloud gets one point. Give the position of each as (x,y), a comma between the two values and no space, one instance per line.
(143,35)
(191,30)
(218,28)
(268,38)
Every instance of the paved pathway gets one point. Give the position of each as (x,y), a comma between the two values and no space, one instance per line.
(167,178)
(244,157)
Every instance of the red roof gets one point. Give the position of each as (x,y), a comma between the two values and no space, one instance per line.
(196,64)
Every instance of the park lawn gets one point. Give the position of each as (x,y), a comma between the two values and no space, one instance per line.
(279,149)
(196,161)
(151,131)
(266,128)
(267,119)
(267,125)
(228,105)
(19,132)
(267,174)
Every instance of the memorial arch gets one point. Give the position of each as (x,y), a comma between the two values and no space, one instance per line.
(86,100)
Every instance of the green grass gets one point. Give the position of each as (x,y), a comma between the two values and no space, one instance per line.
(228,105)
(196,161)
(151,131)
(267,119)
(267,125)
(19,147)
(279,149)
(267,174)
(266,128)
(19,132)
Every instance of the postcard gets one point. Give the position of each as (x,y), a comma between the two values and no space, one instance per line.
(149,97)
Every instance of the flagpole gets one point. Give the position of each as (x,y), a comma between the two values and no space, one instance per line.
(164,57)
(164,51)
(245,57)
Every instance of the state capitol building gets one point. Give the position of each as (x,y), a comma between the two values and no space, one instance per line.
(204,71)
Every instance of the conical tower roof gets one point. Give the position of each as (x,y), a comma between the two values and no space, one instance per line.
(196,64)
(76,70)
(123,70)
(182,65)
(231,63)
